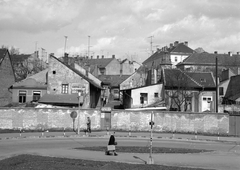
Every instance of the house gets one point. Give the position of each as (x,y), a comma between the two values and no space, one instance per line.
(178,90)
(232,95)
(66,85)
(207,62)
(189,91)
(30,89)
(7,77)
(169,57)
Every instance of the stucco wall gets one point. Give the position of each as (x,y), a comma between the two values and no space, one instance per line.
(210,123)
(29,97)
(30,118)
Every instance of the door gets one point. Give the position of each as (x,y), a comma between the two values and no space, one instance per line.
(206,103)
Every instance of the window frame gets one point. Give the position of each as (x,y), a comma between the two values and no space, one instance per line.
(22,96)
(65,88)
(38,96)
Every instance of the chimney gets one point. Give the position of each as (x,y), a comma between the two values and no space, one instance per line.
(175,43)
(215,52)
(237,53)
(91,57)
(186,43)
(65,59)
(171,45)
(86,57)
(113,56)
(97,56)
(230,53)
(102,56)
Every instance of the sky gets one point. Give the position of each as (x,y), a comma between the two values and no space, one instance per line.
(124,28)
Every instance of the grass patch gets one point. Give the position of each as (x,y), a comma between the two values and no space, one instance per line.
(136,149)
(33,162)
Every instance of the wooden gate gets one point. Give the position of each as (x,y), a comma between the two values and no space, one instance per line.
(234,125)
(106,118)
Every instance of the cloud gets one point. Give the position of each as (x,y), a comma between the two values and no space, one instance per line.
(36,16)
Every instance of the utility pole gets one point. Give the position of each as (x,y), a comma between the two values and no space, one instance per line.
(88,45)
(65,45)
(151,42)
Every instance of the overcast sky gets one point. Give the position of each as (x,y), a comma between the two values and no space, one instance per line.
(120,27)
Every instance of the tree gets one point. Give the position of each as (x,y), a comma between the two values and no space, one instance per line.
(178,89)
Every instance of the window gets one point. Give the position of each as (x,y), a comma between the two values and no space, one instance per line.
(221,91)
(145,98)
(115,91)
(203,80)
(65,88)
(36,95)
(176,59)
(22,96)
(156,95)
(102,71)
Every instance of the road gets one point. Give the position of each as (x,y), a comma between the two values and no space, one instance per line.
(226,155)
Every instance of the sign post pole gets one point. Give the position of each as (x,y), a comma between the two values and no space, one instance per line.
(150,160)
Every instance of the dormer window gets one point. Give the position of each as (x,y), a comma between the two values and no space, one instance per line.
(203,80)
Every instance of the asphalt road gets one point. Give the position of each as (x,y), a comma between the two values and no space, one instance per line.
(226,155)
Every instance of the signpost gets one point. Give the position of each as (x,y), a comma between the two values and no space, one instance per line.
(150,160)
(80,103)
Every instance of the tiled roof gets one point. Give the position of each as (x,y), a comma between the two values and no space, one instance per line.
(40,79)
(206,79)
(157,55)
(2,53)
(210,59)
(181,48)
(19,58)
(113,80)
(100,62)
(79,73)
(60,99)
(174,78)
(233,90)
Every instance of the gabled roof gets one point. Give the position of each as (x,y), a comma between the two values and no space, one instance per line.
(157,55)
(181,48)
(79,73)
(233,90)
(210,59)
(37,81)
(113,80)
(205,79)
(176,78)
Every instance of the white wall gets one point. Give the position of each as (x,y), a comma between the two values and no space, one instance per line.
(150,90)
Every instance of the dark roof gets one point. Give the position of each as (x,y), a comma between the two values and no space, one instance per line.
(175,78)
(3,52)
(210,59)
(181,48)
(100,62)
(206,79)
(157,55)
(18,58)
(113,80)
(79,73)
(71,99)
(233,90)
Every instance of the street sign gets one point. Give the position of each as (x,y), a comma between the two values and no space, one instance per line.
(73,114)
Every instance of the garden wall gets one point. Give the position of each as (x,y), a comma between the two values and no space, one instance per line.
(165,121)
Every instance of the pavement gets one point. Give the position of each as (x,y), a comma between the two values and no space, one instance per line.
(209,160)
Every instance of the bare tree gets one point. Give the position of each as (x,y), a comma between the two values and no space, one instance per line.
(178,89)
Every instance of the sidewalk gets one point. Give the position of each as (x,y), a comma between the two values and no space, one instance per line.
(156,135)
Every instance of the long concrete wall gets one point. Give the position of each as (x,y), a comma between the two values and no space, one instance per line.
(35,119)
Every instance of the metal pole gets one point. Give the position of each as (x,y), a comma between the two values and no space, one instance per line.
(78,117)
(88,46)
(216,84)
(150,161)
